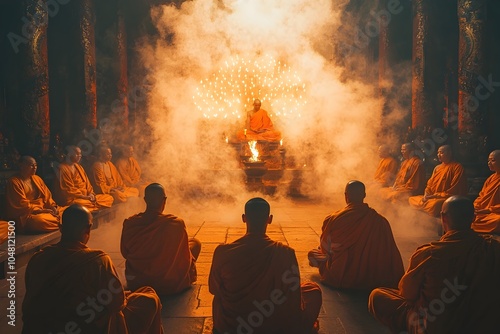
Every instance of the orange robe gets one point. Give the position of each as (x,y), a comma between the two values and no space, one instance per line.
(4,231)
(410,180)
(489,198)
(130,171)
(451,286)
(446,180)
(74,183)
(256,286)
(71,286)
(23,200)
(157,253)
(261,128)
(105,177)
(386,171)
(357,250)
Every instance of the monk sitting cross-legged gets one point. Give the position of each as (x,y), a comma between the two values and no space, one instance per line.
(73,186)
(450,286)
(487,204)
(73,289)
(357,249)
(256,283)
(129,169)
(29,201)
(387,167)
(259,125)
(156,247)
(448,179)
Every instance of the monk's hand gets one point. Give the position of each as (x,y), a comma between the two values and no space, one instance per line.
(53,211)
(92,198)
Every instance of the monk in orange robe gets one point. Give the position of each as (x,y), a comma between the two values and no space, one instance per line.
(129,169)
(107,180)
(357,249)
(157,249)
(4,231)
(447,179)
(74,186)
(387,167)
(256,283)
(259,125)
(450,286)
(73,289)
(487,204)
(410,179)
(29,201)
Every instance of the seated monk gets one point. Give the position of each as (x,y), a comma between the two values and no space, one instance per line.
(129,169)
(156,247)
(450,286)
(487,204)
(256,274)
(106,179)
(258,125)
(357,249)
(73,186)
(71,288)
(29,201)
(410,179)
(387,167)
(447,179)
(4,231)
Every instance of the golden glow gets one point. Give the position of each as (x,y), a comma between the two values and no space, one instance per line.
(255,153)
(230,91)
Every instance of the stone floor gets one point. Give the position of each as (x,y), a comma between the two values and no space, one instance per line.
(296,223)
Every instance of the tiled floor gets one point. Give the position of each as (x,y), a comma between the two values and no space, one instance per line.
(296,223)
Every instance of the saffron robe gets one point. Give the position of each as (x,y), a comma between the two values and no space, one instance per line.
(357,250)
(22,200)
(256,286)
(386,171)
(261,128)
(111,183)
(129,170)
(70,285)
(157,253)
(73,183)
(446,180)
(4,231)
(450,286)
(489,198)
(410,180)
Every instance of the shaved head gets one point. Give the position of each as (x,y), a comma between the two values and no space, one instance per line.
(257,211)
(460,212)
(76,223)
(154,196)
(494,161)
(355,192)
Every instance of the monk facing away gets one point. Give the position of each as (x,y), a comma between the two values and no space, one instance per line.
(107,180)
(157,249)
(129,169)
(73,289)
(256,283)
(410,179)
(487,204)
(357,249)
(447,179)
(259,125)
(74,187)
(29,201)
(450,286)
(387,167)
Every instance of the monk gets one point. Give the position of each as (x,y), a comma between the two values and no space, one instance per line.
(387,167)
(71,288)
(256,283)
(74,187)
(450,286)
(107,180)
(259,125)
(410,179)
(129,169)
(29,201)
(447,179)
(487,204)
(357,249)
(156,247)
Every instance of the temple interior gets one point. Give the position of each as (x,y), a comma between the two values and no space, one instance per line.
(179,80)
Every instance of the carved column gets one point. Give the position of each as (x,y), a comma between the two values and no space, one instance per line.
(122,84)
(473,87)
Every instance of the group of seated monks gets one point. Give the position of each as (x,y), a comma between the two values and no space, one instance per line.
(35,209)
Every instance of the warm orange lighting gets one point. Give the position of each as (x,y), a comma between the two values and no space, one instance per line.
(255,153)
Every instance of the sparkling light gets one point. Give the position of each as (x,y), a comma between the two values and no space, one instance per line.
(230,91)
(255,153)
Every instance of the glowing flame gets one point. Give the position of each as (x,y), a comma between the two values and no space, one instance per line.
(253,149)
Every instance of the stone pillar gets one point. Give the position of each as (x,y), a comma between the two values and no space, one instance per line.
(122,83)
(35,132)
(473,87)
